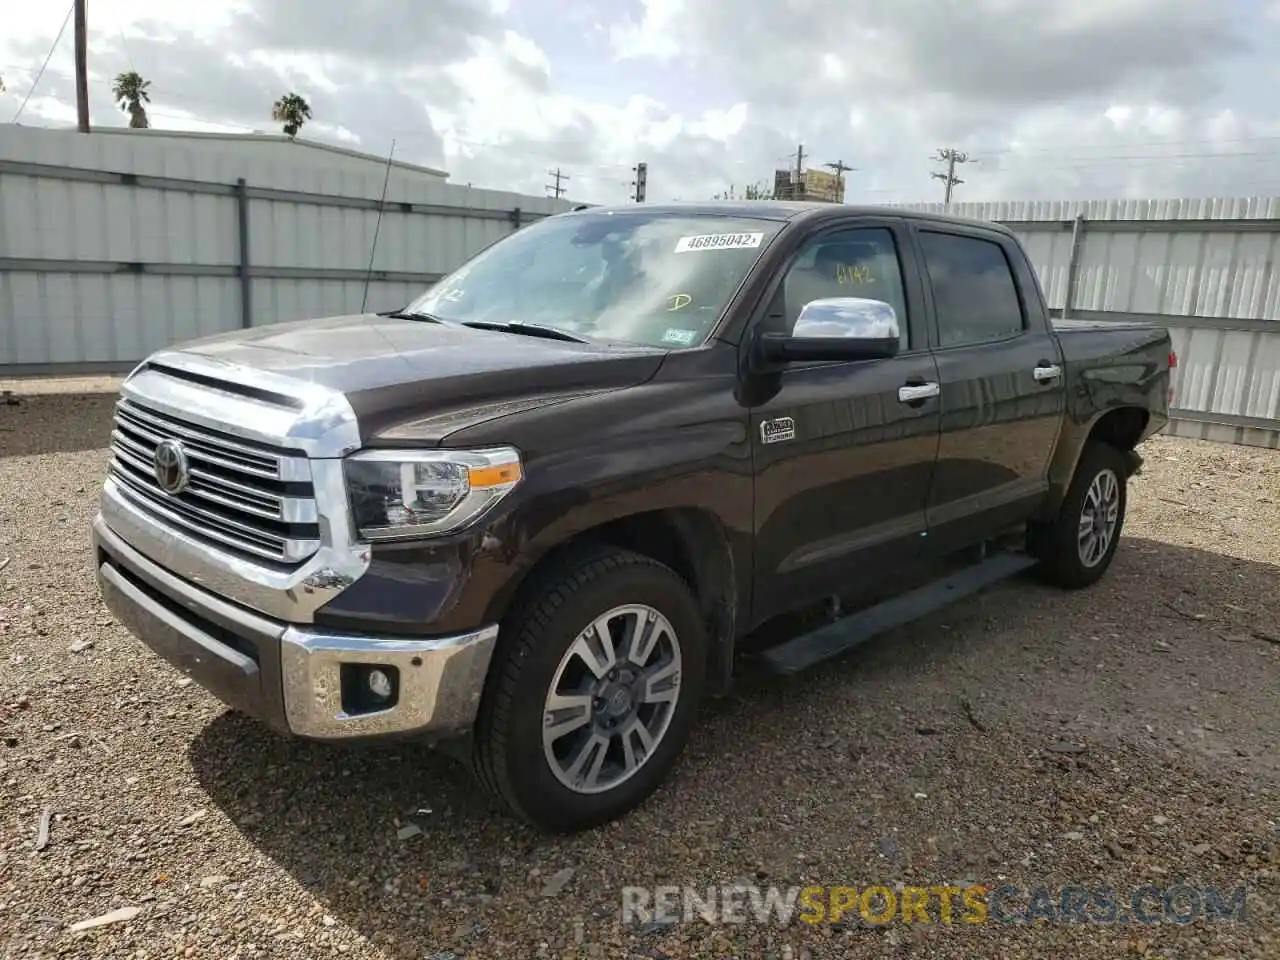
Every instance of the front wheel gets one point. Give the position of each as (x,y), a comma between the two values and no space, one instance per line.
(592,695)
(1077,546)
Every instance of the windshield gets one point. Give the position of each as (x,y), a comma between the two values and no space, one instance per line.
(634,277)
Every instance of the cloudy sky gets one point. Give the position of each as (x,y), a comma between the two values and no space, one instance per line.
(1050,99)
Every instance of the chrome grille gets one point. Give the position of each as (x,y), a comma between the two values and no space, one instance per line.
(241,495)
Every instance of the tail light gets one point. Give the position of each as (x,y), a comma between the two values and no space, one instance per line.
(1173,365)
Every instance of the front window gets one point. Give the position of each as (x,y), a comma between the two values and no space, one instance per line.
(639,277)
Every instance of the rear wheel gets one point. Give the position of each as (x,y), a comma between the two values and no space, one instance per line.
(593,691)
(1076,547)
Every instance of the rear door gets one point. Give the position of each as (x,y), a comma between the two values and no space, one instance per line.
(1003,394)
(844,452)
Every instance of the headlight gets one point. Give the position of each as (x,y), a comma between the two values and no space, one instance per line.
(400,494)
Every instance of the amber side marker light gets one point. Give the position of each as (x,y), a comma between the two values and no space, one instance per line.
(484,477)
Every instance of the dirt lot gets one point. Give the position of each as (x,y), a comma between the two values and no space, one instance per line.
(1121,736)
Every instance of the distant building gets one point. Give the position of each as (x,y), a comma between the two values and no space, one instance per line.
(816,185)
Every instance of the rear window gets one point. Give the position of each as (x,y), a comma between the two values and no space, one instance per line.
(974,292)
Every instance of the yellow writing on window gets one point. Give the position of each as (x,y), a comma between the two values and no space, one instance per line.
(855,274)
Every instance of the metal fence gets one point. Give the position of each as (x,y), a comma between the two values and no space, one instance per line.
(99,266)
(111,248)
(1209,270)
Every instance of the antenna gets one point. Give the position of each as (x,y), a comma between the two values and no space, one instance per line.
(373,248)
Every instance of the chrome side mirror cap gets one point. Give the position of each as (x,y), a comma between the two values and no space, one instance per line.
(833,330)
(847,318)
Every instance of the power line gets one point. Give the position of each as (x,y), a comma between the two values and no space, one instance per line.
(124,45)
(179,96)
(950,157)
(1200,155)
(47,57)
(796,186)
(1125,145)
(559,190)
(1007,158)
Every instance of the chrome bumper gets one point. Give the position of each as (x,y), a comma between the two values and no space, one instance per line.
(294,678)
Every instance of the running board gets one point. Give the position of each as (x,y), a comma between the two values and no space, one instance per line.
(857,628)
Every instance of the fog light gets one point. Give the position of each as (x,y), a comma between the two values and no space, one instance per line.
(367,688)
(379,684)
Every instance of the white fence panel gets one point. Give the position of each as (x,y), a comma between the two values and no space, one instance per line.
(1209,270)
(112,246)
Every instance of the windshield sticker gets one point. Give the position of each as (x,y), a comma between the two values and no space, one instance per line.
(678,302)
(719,241)
(678,335)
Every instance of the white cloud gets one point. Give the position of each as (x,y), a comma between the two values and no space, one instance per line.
(1093,98)
(654,35)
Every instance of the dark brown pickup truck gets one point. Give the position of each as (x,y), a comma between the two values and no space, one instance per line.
(541,511)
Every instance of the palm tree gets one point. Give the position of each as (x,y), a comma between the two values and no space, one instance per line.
(292,111)
(130,91)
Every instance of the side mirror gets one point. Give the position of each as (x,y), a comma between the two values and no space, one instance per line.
(835,329)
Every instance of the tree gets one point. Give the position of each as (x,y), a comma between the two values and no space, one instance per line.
(130,91)
(752,191)
(292,111)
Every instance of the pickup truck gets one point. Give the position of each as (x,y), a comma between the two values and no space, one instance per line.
(538,513)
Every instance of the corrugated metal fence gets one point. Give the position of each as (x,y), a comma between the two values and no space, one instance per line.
(1209,270)
(103,262)
(111,247)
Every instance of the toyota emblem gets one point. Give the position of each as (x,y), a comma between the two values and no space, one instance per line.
(171,467)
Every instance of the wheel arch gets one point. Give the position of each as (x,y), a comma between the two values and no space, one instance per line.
(691,541)
(1121,427)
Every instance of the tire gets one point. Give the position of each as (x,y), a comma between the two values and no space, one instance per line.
(542,644)
(1059,544)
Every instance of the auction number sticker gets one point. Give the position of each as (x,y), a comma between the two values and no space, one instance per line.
(719,241)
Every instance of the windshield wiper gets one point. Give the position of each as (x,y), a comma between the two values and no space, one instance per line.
(412,315)
(529,329)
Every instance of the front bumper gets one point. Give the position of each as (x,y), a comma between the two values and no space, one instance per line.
(295,679)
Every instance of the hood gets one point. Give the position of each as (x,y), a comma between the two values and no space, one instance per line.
(393,371)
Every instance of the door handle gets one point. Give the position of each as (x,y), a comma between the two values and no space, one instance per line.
(1047,371)
(915,392)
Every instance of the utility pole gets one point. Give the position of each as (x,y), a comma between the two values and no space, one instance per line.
(950,158)
(82,67)
(797,179)
(641,182)
(839,167)
(558,191)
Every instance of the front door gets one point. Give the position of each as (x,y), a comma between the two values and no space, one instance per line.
(1003,394)
(844,452)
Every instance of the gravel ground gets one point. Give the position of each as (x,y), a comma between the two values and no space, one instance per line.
(1120,736)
